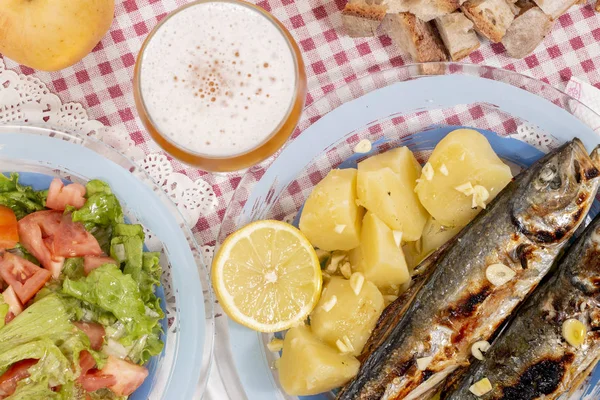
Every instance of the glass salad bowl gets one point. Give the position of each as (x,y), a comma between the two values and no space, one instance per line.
(414,106)
(39,154)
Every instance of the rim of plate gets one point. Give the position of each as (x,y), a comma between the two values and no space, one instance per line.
(109,154)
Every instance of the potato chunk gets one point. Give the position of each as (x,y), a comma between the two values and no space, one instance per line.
(341,312)
(386,186)
(435,235)
(464,156)
(331,220)
(309,366)
(383,260)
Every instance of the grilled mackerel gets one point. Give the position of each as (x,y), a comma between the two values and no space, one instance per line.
(532,359)
(525,228)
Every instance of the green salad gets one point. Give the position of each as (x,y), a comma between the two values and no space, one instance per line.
(79,314)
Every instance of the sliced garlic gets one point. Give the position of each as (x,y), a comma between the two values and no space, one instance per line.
(329,304)
(275,364)
(481,387)
(423,363)
(397,237)
(364,146)
(334,261)
(344,345)
(462,157)
(499,274)
(339,228)
(356,282)
(478,347)
(275,345)
(480,195)
(465,188)
(574,332)
(346,270)
(428,171)
(444,170)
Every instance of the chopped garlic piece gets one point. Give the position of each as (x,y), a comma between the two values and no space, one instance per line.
(499,274)
(465,188)
(478,347)
(574,332)
(346,270)
(397,237)
(329,304)
(276,364)
(444,170)
(423,363)
(339,228)
(462,157)
(364,146)
(275,345)
(335,260)
(481,387)
(344,345)
(356,282)
(428,171)
(480,195)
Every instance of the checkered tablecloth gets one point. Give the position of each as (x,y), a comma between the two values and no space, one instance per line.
(102,82)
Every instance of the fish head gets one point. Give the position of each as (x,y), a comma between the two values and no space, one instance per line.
(554,195)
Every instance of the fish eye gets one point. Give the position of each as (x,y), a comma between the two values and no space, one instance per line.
(548,173)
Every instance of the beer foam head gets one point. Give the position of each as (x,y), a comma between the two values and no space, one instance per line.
(218,78)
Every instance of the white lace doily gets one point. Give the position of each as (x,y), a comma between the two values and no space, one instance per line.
(27,100)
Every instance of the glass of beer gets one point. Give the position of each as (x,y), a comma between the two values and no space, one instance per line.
(220,84)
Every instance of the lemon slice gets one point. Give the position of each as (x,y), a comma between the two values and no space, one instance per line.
(267,276)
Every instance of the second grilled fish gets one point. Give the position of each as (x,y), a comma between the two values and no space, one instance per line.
(532,359)
(524,228)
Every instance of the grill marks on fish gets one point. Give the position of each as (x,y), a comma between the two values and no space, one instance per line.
(456,306)
(541,378)
(531,359)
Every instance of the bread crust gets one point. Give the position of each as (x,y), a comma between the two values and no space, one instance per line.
(414,36)
(361,19)
(526,32)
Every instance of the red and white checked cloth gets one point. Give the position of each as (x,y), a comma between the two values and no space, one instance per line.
(102,82)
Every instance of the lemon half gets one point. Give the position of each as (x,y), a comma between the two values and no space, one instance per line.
(267,276)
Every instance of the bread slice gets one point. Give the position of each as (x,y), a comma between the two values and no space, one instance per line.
(598,6)
(362,18)
(414,36)
(491,17)
(555,8)
(458,34)
(526,32)
(425,10)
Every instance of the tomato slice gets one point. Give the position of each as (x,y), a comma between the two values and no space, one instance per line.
(94,331)
(9,232)
(129,376)
(33,230)
(12,376)
(14,304)
(90,263)
(95,380)
(72,240)
(24,277)
(61,196)
(86,362)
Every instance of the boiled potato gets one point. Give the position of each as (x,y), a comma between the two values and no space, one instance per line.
(309,366)
(435,235)
(384,262)
(340,312)
(331,220)
(386,187)
(412,254)
(464,156)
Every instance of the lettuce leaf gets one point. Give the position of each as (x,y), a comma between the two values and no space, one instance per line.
(22,200)
(110,289)
(3,310)
(46,318)
(52,366)
(28,390)
(102,208)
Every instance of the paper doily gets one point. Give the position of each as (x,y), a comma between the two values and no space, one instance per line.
(27,100)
